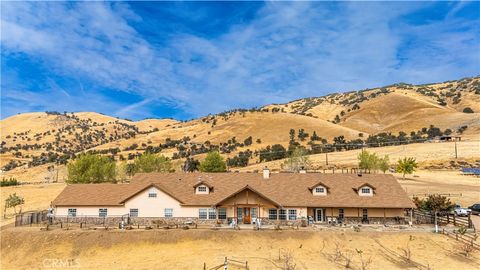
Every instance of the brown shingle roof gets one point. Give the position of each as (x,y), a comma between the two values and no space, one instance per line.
(287,189)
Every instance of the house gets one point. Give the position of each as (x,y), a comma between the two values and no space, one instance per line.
(221,197)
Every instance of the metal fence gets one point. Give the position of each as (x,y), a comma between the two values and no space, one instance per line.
(31,217)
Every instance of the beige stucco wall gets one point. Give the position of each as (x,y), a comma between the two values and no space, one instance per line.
(357,212)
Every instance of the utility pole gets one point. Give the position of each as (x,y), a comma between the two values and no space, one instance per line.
(456,155)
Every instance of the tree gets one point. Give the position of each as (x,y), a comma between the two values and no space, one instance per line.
(214,162)
(191,165)
(13,201)
(384,163)
(467,110)
(406,166)
(149,162)
(297,160)
(367,161)
(248,141)
(91,168)
(434,202)
(314,137)
(292,134)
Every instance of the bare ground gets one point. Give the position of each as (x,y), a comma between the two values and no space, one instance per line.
(179,249)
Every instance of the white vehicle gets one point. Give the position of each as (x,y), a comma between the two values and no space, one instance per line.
(461,212)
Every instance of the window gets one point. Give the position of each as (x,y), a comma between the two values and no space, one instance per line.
(152,193)
(202,213)
(254,212)
(168,212)
(365,190)
(365,213)
(212,214)
(240,213)
(133,212)
(222,213)
(102,212)
(292,214)
(272,214)
(282,214)
(72,212)
(341,213)
(202,189)
(320,190)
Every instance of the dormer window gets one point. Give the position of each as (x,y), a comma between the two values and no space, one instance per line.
(202,189)
(365,190)
(319,191)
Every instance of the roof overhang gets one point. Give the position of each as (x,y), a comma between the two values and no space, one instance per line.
(247,187)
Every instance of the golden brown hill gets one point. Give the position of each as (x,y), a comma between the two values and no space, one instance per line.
(42,139)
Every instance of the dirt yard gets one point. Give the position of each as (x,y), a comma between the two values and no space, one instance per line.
(180,249)
(37,197)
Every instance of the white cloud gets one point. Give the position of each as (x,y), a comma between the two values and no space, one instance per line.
(289,50)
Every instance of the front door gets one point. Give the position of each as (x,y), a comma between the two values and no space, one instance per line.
(247,215)
(320,215)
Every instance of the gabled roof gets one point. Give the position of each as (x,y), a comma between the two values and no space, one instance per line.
(319,184)
(203,183)
(285,189)
(251,189)
(156,185)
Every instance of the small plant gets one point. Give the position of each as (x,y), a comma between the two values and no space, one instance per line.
(364,263)
(9,182)
(462,230)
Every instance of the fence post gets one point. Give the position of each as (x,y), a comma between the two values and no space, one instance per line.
(454,220)
(469,221)
(246,262)
(204,266)
(225,267)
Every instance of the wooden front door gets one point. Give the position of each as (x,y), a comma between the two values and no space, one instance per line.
(247,215)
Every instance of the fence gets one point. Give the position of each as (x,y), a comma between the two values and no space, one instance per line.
(423,217)
(464,238)
(225,264)
(31,217)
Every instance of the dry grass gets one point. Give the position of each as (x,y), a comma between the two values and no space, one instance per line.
(37,197)
(180,249)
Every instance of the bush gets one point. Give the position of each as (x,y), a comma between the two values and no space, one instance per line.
(9,182)
(468,110)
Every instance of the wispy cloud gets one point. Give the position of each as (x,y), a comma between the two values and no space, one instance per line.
(283,52)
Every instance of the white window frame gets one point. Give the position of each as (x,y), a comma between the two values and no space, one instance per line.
(134,211)
(72,212)
(282,214)
(365,213)
(103,212)
(273,214)
(222,213)
(341,213)
(320,190)
(212,214)
(168,212)
(152,193)
(292,214)
(366,190)
(202,189)
(203,213)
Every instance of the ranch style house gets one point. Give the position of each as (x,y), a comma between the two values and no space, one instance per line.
(243,197)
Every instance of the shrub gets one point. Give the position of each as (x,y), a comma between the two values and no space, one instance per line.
(468,110)
(9,182)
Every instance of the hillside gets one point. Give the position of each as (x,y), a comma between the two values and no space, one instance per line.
(32,143)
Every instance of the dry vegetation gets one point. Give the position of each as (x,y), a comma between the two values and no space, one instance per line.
(36,139)
(179,249)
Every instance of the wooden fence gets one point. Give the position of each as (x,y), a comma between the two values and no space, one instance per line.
(443,218)
(225,264)
(465,238)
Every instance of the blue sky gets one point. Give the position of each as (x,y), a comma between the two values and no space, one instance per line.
(187,59)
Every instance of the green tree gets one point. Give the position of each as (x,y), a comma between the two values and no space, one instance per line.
(434,202)
(91,168)
(297,160)
(367,161)
(384,163)
(149,162)
(13,201)
(121,171)
(406,166)
(214,162)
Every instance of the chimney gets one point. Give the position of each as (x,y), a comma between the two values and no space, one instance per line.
(266,173)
